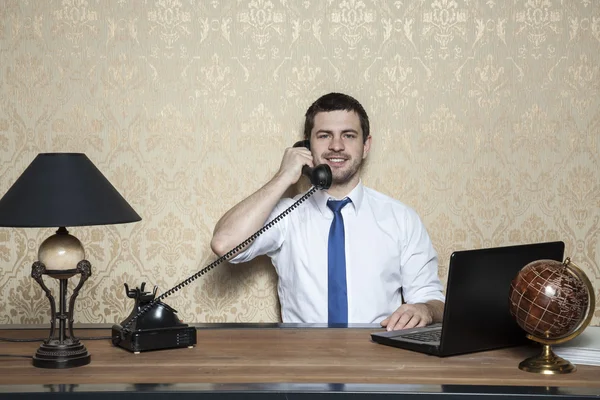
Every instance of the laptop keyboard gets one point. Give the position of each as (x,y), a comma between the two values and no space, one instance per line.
(429,336)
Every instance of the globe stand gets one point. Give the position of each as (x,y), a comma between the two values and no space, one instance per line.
(62,350)
(547,362)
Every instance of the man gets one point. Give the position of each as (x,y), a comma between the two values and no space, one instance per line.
(385,255)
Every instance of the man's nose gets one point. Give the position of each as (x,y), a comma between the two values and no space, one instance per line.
(336,144)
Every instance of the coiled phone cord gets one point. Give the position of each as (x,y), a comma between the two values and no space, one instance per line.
(218,261)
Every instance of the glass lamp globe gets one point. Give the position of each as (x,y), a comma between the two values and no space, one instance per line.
(60,254)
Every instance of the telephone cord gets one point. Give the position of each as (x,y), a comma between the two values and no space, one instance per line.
(225,257)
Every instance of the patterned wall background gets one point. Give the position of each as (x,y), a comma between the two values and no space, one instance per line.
(485,119)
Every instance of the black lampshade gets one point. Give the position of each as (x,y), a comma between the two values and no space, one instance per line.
(63,189)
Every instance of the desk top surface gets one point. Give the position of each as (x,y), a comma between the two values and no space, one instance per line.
(280,356)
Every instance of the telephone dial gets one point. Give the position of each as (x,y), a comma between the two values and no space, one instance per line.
(153,325)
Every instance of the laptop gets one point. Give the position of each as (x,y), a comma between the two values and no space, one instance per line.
(476,312)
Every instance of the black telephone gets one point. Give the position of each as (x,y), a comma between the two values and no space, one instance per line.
(153,325)
(156,328)
(320,176)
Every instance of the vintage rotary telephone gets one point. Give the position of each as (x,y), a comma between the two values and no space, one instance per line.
(153,325)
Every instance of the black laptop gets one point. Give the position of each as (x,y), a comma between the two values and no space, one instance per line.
(476,313)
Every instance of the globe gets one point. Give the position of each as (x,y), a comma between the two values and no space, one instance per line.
(553,302)
(548,300)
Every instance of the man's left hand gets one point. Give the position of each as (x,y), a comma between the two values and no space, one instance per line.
(408,316)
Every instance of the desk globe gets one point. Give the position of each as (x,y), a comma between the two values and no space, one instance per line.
(553,302)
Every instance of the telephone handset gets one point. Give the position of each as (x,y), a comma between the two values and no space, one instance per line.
(153,325)
(320,176)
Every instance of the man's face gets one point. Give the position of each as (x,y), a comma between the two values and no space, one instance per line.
(337,140)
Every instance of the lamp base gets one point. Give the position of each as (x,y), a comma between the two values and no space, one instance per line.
(61,350)
(53,354)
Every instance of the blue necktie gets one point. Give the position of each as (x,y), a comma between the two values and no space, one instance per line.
(336,261)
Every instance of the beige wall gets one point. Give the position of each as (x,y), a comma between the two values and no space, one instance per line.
(485,119)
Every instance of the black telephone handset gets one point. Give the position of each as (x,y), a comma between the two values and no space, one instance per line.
(153,325)
(320,176)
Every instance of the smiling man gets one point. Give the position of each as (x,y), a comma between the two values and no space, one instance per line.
(349,254)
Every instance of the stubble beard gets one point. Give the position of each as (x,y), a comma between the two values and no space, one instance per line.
(342,177)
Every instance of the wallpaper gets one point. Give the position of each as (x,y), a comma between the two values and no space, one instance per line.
(485,118)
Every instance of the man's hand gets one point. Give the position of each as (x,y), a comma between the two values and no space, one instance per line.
(294,158)
(414,315)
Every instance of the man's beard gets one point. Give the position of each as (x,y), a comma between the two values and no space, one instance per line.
(341,177)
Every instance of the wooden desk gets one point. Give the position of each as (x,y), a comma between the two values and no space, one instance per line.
(230,361)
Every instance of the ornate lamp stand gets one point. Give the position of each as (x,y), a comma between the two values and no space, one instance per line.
(62,350)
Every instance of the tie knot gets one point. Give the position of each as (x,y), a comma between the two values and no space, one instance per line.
(337,205)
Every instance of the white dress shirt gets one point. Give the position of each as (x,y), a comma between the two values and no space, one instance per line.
(388,255)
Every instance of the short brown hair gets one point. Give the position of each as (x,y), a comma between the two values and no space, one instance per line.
(335,102)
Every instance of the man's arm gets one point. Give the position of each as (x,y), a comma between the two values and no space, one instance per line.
(415,315)
(250,214)
(421,287)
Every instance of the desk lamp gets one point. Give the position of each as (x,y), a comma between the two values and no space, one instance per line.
(60,190)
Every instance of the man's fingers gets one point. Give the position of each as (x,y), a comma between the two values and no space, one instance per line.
(409,320)
(393,320)
(407,316)
(422,323)
(403,319)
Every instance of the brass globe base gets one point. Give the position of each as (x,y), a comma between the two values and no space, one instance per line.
(547,363)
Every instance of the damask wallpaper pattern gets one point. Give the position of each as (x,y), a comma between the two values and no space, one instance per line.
(485,119)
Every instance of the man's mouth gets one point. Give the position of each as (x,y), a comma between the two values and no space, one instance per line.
(336,161)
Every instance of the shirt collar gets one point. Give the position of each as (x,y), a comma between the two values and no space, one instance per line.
(321,197)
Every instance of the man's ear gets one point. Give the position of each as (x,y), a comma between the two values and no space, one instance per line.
(366,147)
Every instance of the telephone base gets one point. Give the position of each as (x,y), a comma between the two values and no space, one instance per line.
(154,339)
